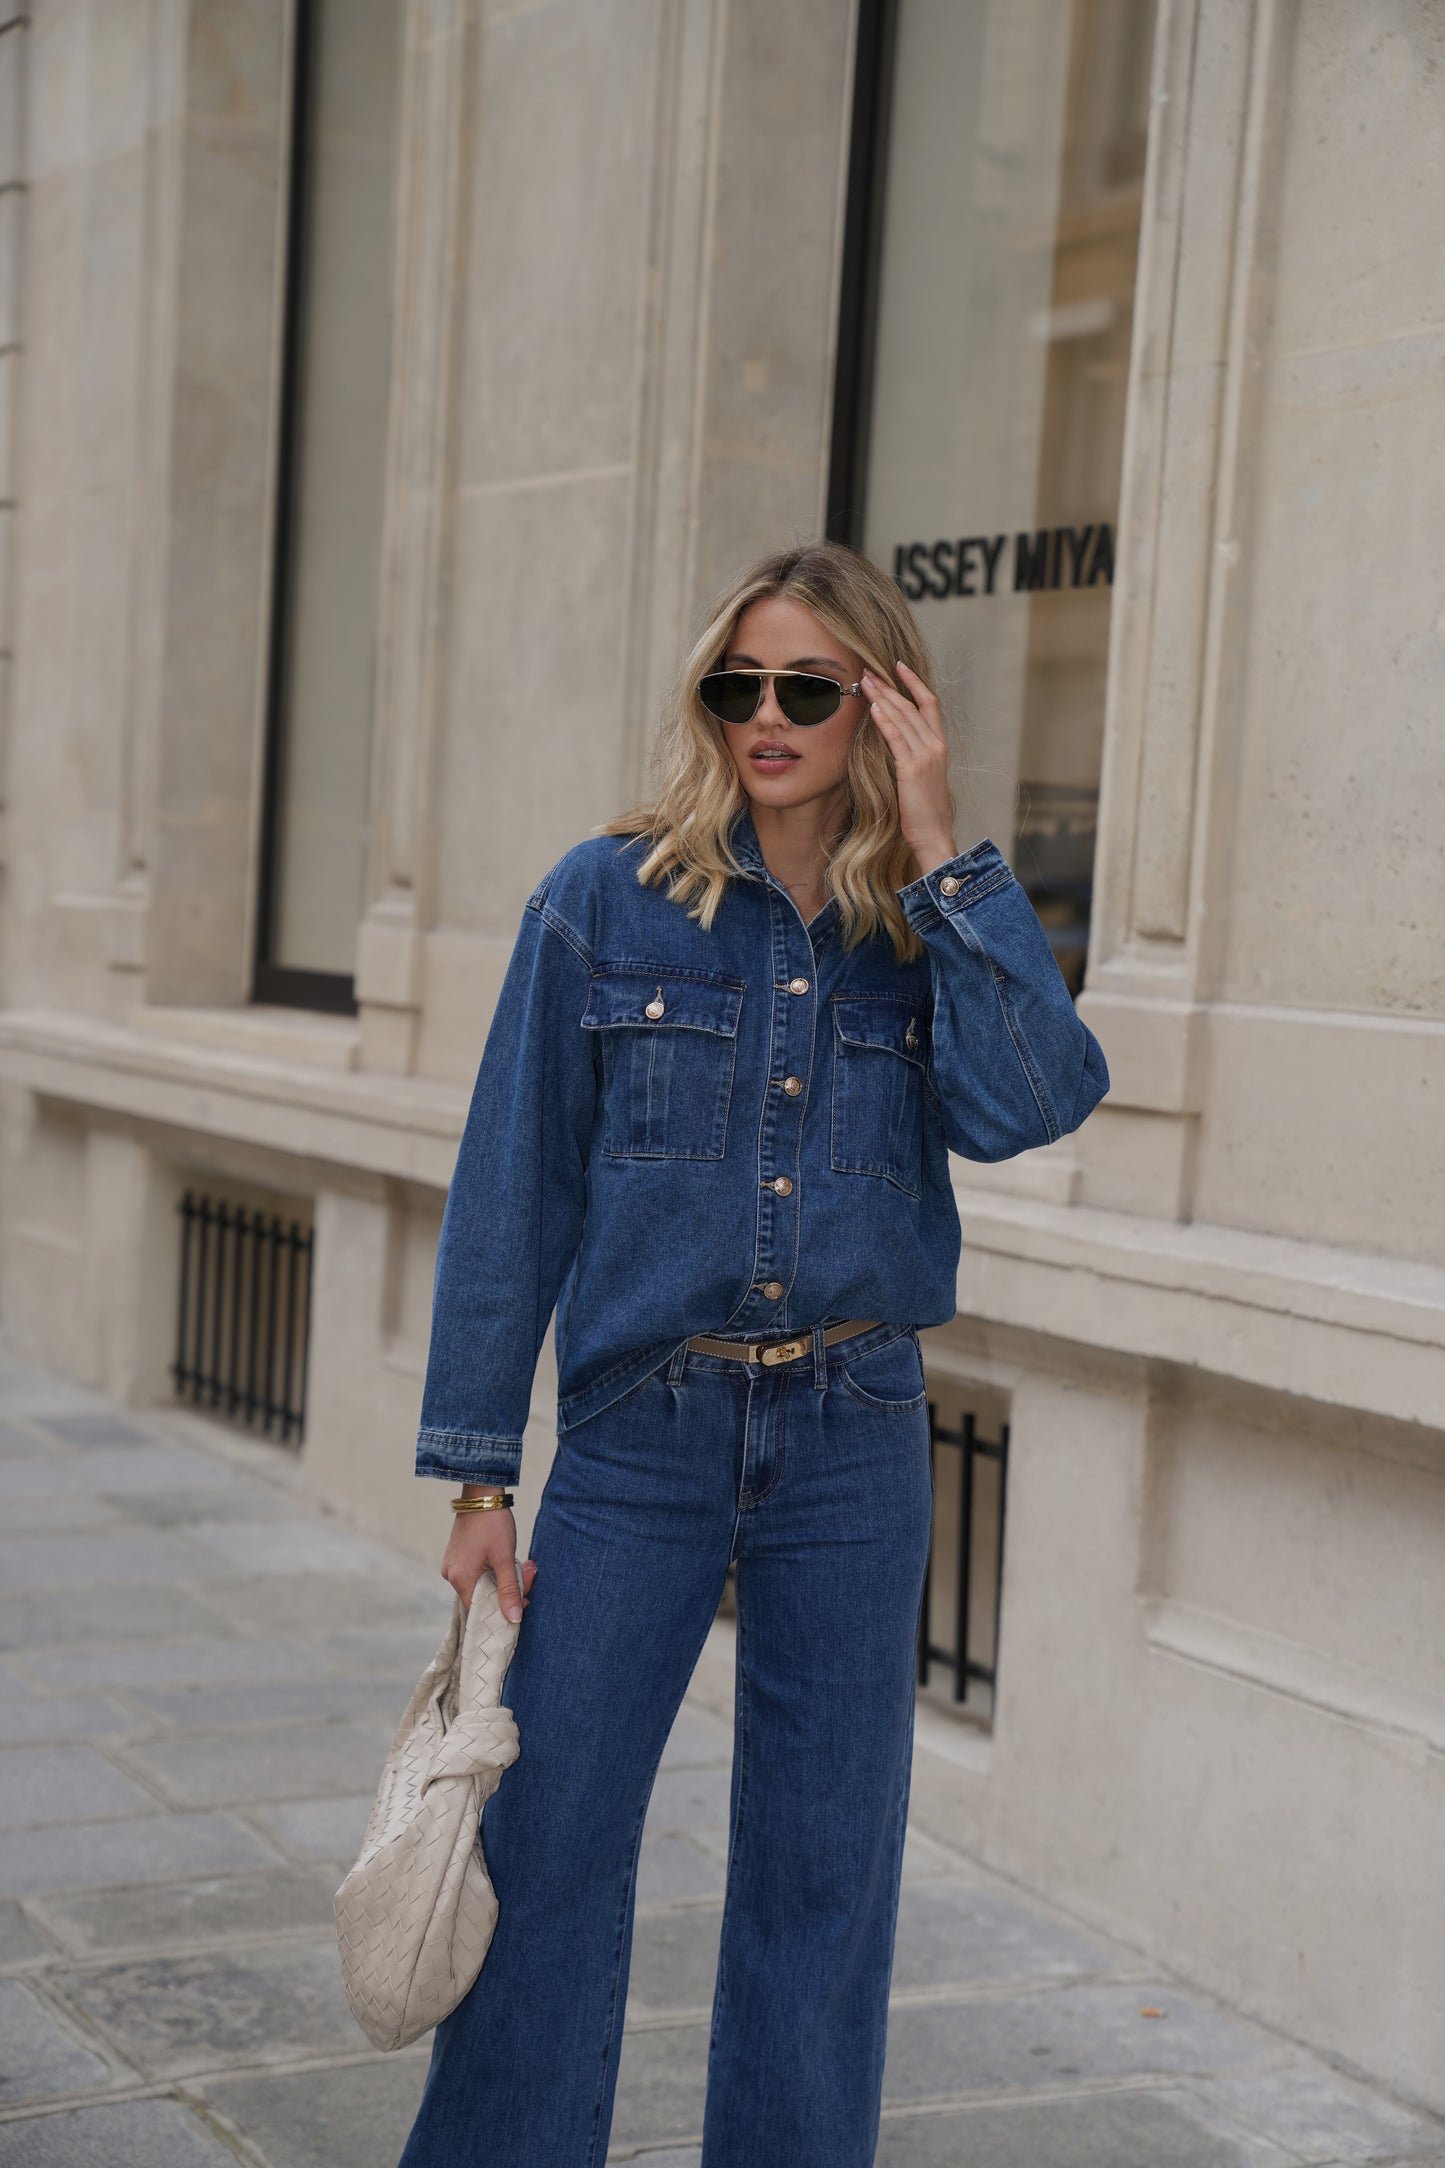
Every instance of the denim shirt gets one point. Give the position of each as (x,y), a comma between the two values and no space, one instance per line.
(744,1129)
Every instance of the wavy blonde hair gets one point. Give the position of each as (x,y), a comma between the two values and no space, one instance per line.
(697,792)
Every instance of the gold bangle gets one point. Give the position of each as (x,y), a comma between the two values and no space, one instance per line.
(481,1505)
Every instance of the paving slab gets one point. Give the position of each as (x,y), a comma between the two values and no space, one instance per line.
(98,1855)
(1026,2042)
(42,2058)
(317,1699)
(121,2134)
(44,1786)
(671,1866)
(96,1616)
(278,1603)
(357,2117)
(19,1443)
(152,1467)
(21,1941)
(87,1426)
(1320,2115)
(1126,2129)
(322,1829)
(674,1961)
(952,1934)
(183,1508)
(291,1546)
(161,1664)
(129,1554)
(661,2086)
(688,2157)
(689,1798)
(175,2016)
(77,1716)
(208,1909)
(267,1762)
(698,1740)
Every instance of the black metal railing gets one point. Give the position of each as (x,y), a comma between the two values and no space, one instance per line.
(973,1449)
(243,1314)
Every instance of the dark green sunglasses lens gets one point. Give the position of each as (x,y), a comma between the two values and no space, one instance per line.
(805,699)
(731,695)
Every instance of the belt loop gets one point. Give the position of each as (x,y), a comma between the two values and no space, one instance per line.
(678,1364)
(820,1360)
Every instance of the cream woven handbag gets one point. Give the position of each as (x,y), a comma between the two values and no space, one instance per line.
(414,1918)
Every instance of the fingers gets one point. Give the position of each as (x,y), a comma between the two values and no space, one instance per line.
(904,726)
(473,1550)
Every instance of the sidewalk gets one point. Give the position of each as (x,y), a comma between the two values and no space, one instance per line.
(199,1673)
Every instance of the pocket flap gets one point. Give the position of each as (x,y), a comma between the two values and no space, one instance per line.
(882,1020)
(622,994)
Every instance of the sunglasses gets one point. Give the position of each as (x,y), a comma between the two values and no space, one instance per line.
(734,696)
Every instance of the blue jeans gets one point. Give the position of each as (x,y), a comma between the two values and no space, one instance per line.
(815,1476)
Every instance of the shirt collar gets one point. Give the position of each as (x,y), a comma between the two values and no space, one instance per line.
(745,845)
(749,852)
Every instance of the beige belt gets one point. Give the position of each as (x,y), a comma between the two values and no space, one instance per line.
(777,1351)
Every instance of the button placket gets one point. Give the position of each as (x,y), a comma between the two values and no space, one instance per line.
(790,1053)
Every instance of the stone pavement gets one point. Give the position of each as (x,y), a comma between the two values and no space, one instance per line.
(200,1673)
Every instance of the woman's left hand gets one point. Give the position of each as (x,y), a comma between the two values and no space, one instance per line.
(913,731)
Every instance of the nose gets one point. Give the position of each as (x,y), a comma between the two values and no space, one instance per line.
(769,716)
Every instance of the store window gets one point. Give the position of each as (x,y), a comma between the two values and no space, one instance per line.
(330,486)
(993,230)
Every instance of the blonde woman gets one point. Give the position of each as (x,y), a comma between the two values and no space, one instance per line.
(741,1031)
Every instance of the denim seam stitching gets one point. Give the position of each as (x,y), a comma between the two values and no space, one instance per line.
(735,1836)
(559,926)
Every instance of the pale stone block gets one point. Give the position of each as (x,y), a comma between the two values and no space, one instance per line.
(1133,1161)
(1323,1128)
(12,213)
(1336,758)
(388,963)
(1351,258)
(563,137)
(1250,1529)
(527,771)
(9,382)
(13,53)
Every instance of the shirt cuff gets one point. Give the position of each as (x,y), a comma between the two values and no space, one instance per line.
(955,884)
(461,1456)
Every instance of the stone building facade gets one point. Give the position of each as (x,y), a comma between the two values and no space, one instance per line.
(384,387)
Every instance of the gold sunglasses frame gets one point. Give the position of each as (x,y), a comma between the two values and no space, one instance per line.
(845,692)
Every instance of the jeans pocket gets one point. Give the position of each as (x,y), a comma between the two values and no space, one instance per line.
(889,1376)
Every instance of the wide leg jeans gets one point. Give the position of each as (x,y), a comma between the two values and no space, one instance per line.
(815,1476)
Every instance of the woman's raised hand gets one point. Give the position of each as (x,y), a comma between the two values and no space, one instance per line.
(912,725)
(480,1540)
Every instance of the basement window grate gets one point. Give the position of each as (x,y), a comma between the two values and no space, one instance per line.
(243,1314)
(957,1654)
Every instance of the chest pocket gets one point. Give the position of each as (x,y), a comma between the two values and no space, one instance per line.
(880,1052)
(668,1041)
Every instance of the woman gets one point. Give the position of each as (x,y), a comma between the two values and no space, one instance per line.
(711,1127)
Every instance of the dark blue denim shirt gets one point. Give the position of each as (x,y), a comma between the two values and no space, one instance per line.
(746,1129)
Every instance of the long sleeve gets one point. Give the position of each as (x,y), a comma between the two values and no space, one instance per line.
(513,1217)
(1013,1063)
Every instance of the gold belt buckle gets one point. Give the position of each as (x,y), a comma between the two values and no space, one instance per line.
(784,1351)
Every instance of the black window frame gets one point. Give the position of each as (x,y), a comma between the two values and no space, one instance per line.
(875,48)
(287,985)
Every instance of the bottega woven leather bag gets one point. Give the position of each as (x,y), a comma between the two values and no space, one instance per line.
(414,1918)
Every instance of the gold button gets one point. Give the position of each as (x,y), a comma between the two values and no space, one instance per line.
(773,1289)
(782,1184)
(797,986)
(655,1008)
(792,1085)
(949,884)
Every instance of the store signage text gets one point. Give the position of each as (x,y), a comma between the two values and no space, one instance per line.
(978,564)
